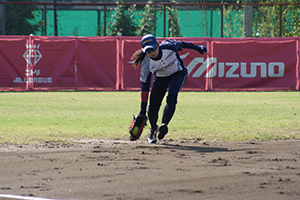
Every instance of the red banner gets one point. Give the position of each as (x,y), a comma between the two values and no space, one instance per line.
(52,63)
(130,76)
(104,63)
(97,63)
(253,63)
(12,62)
(298,65)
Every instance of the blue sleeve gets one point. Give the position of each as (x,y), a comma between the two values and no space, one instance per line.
(172,45)
(178,45)
(188,45)
(200,48)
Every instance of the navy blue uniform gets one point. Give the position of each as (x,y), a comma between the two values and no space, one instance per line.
(169,74)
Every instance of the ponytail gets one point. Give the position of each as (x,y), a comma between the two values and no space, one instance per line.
(137,58)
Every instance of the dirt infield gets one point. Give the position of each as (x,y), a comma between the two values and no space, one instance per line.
(168,170)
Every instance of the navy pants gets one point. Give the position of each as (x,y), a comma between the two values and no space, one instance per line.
(160,86)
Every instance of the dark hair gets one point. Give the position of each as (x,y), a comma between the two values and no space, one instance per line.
(137,58)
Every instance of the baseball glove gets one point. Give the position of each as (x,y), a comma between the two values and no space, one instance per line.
(136,127)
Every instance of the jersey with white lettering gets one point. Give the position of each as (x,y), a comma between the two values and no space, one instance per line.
(166,66)
(168,62)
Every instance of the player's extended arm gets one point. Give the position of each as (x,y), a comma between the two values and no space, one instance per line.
(178,45)
(145,87)
(139,121)
(200,48)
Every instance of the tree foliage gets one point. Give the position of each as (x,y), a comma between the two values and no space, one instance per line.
(147,23)
(266,21)
(123,18)
(233,23)
(173,18)
(18,17)
(276,20)
(291,21)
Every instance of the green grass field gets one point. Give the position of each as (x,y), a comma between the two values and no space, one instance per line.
(63,116)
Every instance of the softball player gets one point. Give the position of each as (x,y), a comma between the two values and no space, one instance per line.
(163,61)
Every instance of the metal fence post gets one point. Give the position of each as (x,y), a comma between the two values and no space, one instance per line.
(2,19)
(45,20)
(104,21)
(248,13)
(280,20)
(98,23)
(222,6)
(55,20)
(165,20)
(211,22)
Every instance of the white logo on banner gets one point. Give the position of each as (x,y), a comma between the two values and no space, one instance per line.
(32,54)
(272,69)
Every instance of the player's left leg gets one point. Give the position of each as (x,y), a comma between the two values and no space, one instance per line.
(176,82)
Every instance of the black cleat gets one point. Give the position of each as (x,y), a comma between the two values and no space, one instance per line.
(162,131)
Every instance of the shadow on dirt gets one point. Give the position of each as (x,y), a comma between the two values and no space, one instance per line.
(195,148)
(198,149)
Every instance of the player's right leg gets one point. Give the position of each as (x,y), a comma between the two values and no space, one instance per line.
(152,135)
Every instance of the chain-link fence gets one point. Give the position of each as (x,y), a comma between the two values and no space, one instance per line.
(194,19)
